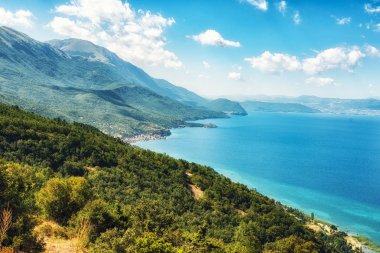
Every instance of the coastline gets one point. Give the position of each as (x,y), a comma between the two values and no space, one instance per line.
(144,137)
(162,135)
(354,239)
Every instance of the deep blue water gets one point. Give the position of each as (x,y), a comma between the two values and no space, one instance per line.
(320,163)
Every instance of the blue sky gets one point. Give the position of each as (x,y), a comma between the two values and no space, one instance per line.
(231,48)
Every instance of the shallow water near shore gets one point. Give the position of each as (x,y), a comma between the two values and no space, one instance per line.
(321,163)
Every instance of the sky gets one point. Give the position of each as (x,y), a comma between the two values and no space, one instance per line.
(225,48)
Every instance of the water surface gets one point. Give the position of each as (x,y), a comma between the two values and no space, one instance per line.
(320,163)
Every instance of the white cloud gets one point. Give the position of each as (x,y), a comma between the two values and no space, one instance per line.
(213,38)
(259,4)
(320,81)
(274,62)
(236,76)
(370,9)
(332,58)
(343,21)
(20,18)
(377,27)
(281,6)
(372,51)
(136,36)
(206,65)
(297,18)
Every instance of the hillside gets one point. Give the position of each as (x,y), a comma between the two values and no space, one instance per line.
(92,52)
(277,107)
(46,80)
(70,183)
(367,106)
(226,106)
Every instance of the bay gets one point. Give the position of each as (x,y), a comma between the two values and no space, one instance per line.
(324,164)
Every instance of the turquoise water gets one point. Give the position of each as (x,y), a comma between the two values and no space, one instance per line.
(320,163)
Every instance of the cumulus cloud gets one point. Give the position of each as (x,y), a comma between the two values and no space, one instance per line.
(297,18)
(372,51)
(371,9)
(213,38)
(259,4)
(136,36)
(20,18)
(236,76)
(281,7)
(320,81)
(332,58)
(206,65)
(274,62)
(343,21)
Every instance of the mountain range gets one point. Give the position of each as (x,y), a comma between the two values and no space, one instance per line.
(365,106)
(76,80)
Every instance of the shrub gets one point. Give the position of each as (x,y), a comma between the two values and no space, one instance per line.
(60,198)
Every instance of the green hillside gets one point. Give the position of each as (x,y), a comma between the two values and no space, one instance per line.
(92,52)
(44,79)
(226,106)
(64,181)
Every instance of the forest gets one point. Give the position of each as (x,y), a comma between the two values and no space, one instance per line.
(71,181)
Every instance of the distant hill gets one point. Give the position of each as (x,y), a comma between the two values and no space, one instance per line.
(135,75)
(277,107)
(91,86)
(226,106)
(369,106)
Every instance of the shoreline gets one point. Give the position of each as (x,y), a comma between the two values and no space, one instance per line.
(144,137)
(354,239)
(162,135)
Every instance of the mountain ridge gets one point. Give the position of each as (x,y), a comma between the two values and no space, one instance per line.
(87,49)
(44,79)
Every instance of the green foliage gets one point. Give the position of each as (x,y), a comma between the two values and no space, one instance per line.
(18,184)
(292,244)
(60,198)
(225,105)
(135,200)
(100,216)
(150,243)
(117,98)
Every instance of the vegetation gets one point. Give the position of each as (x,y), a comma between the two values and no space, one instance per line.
(116,97)
(371,245)
(113,197)
(227,106)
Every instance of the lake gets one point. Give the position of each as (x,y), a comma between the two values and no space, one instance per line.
(321,163)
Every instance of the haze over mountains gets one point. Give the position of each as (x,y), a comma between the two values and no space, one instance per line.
(79,81)
(369,106)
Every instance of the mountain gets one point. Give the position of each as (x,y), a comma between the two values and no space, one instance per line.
(368,106)
(92,52)
(72,186)
(226,106)
(277,107)
(100,89)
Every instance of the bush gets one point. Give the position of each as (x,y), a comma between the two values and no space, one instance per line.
(99,215)
(60,198)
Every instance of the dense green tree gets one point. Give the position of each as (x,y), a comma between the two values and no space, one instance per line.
(60,198)
(135,200)
(292,244)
